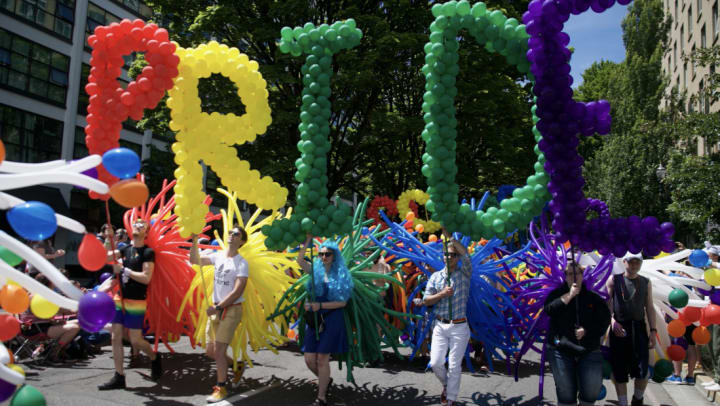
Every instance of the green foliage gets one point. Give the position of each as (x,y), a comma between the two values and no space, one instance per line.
(377,88)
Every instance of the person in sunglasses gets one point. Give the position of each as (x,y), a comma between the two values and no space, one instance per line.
(578,320)
(231,276)
(134,269)
(448,290)
(330,288)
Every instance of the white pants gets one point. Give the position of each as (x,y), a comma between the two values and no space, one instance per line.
(455,337)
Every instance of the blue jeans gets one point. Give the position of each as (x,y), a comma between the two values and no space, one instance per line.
(576,374)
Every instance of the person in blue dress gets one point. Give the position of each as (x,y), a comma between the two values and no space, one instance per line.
(329,290)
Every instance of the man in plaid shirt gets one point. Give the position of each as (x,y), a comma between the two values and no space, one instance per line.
(448,290)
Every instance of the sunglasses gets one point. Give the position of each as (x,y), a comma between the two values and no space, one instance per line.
(140,224)
(452,255)
(325,254)
(235,233)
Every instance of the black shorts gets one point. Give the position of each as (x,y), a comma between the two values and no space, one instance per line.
(688,334)
(629,355)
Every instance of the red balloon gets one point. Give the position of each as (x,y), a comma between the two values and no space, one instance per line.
(710,314)
(676,352)
(9,327)
(690,315)
(92,253)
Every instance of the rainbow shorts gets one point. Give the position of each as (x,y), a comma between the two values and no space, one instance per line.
(134,315)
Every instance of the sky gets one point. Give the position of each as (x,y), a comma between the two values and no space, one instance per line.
(595,37)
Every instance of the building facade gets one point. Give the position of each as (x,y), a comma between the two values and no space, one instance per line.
(695,25)
(44,64)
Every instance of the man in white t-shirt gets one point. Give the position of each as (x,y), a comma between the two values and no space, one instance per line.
(231,275)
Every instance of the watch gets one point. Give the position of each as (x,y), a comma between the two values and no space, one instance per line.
(218,308)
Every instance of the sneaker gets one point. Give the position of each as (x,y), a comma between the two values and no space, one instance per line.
(319,402)
(636,401)
(156,367)
(443,396)
(116,382)
(675,379)
(690,380)
(219,393)
(238,374)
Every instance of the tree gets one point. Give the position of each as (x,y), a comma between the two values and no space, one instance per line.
(377,91)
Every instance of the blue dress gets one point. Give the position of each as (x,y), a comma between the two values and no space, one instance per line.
(333,338)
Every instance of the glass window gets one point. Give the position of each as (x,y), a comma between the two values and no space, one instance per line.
(699,8)
(703,42)
(32,68)
(715,24)
(29,137)
(83,98)
(97,16)
(80,150)
(55,16)
(689,22)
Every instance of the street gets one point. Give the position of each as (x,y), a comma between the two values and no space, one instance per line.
(283,379)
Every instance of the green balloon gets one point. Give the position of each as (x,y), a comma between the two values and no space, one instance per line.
(28,395)
(663,368)
(9,257)
(678,298)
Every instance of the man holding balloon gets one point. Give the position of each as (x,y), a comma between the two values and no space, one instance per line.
(133,272)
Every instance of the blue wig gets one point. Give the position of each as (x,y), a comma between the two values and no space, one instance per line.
(340,284)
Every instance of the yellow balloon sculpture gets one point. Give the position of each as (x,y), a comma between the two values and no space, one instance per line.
(212,137)
(420,197)
(266,284)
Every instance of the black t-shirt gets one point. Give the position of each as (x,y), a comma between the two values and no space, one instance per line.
(587,308)
(133,259)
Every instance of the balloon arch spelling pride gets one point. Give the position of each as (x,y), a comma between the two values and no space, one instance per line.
(538,48)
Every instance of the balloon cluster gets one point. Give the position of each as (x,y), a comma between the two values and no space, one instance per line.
(124,163)
(508,38)
(313,212)
(110,104)
(384,203)
(561,120)
(193,127)
(421,198)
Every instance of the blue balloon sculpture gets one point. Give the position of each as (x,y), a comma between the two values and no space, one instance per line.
(699,258)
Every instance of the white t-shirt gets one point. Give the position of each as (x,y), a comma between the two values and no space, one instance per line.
(226,271)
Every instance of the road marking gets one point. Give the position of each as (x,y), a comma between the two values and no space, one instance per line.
(245,395)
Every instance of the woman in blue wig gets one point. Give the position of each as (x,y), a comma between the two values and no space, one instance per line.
(330,287)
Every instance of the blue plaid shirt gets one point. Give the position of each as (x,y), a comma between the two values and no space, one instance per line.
(460,281)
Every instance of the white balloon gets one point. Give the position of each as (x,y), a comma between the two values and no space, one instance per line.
(36,287)
(72,166)
(15,181)
(42,265)
(7,201)
(9,375)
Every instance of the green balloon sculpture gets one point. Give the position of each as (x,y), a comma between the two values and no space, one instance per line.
(508,38)
(28,395)
(313,212)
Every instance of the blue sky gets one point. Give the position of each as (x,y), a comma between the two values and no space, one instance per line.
(595,37)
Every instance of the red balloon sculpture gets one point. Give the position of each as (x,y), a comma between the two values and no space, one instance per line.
(110,104)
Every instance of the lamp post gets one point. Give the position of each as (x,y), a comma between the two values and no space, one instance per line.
(660,171)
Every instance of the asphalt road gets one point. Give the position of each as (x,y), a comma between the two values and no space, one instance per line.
(283,379)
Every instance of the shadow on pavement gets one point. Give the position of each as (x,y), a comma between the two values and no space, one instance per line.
(496,399)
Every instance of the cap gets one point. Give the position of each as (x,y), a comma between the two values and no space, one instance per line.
(630,256)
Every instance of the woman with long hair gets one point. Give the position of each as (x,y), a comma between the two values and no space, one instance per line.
(329,287)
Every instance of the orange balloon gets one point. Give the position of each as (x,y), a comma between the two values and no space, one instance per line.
(2,151)
(9,328)
(291,334)
(129,193)
(676,328)
(419,228)
(15,300)
(410,216)
(432,238)
(701,335)
(710,314)
(676,352)
(2,293)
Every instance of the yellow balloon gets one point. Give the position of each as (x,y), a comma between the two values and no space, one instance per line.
(17,368)
(712,277)
(420,197)
(42,307)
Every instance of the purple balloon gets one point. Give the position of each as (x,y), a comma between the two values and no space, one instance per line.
(705,292)
(96,309)
(92,172)
(681,341)
(715,297)
(6,390)
(104,276)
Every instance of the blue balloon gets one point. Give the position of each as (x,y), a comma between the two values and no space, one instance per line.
(121,162)
(215,243)
(33,221)
(699,258)
(603,393)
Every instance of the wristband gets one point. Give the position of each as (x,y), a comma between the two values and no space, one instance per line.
(653,329)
